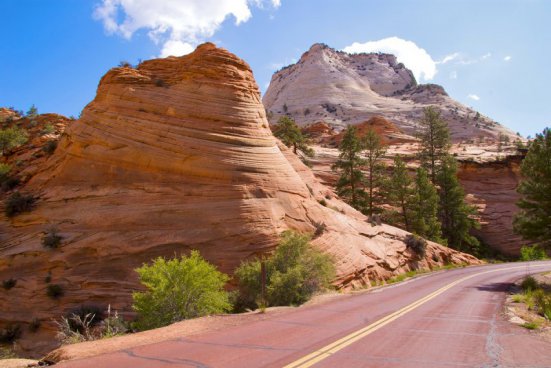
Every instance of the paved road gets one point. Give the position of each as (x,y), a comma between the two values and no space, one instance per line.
(447,319)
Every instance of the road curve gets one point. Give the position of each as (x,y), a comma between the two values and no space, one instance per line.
(446,319)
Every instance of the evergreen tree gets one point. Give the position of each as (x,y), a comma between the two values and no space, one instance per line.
(374,152)
(533,222)
(400,191)
(434,140)
(32,112)
(455,215)
(425,208)
(350,183)
(289,133)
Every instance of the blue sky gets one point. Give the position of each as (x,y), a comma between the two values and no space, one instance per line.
(489,54)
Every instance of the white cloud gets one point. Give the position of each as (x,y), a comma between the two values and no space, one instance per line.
(415,58)
(448,58)
(507,58)
(179,25)
(486,56)
(474,97)
(453,74)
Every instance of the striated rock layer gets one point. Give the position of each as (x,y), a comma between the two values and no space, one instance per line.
(342,89)
(171,156)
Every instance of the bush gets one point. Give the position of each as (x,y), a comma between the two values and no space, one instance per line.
(54,291)
(18,203)
(529,283)
(9,183)
(85,325)
(179,289)
(48,129)
(9,283)
(4,171)
(533,253)
(10,333)
(50,147)
(293,274)
(11,138)
(52,239)
(34,325)
(416,244)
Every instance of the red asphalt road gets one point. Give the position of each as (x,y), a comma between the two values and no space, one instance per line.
(462,327)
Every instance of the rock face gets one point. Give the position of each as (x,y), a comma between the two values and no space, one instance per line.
(493,189)
(172,156)
(341,89)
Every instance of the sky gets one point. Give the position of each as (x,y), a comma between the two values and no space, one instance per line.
(492,55)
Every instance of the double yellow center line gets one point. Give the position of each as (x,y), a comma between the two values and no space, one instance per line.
(325,352)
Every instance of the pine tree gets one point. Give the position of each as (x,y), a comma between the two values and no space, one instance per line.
(455,215)
(400,191)
(425,208)
(374,152)
(350,183)
(533,222)
(434,141)
(289,133)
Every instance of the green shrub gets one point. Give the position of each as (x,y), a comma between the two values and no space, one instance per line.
(48,129)
(11,138)
(529,283)
(18,203)
(7,353)
(52,239)
(4,171)
(34,325)
(10,333)
(54,291)
(9,283)
(50,147)
(533,253)
(417,244)
(179,289)
(90,313)
(9,183)
(530,325)
(293,274)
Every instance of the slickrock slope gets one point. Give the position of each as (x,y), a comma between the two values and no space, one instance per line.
(341,89)
(172,156)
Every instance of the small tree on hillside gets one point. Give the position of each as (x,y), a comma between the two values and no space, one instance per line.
(289,133)
(32,112)
(179,289)
(350,185)
(434,141)
(374,152)
(533,222)
(425,208)
(456,216)
(400,191)
(11,138)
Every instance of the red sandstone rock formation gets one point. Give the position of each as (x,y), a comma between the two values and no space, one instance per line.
(172,156)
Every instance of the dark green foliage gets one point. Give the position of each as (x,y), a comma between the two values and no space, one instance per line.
(9,183)
(425,208)
(533,253)
(34,325)
(52,239)
(290,135)
(374,152)
(529,283)
(9,283)
(125,64)
(350,185)
(179,289)
(50,147)
(455,215)
(11,138)
(416,244)
(434,139)
(293,274)
(533,222)
(54,291)
(10,333)
(18,203)
(48,129)
(400,192)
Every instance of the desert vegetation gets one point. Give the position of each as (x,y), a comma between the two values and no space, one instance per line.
(537,299)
